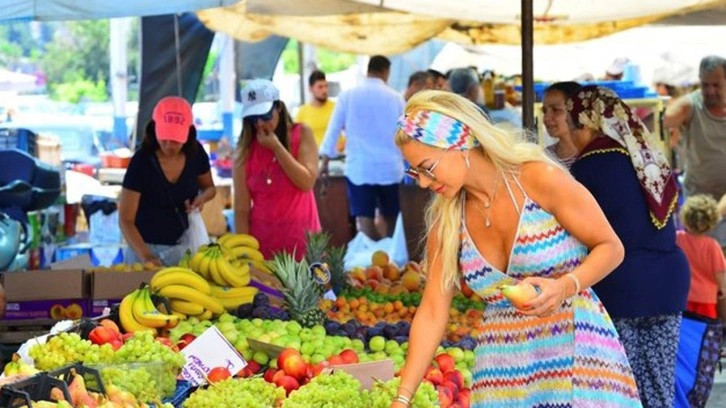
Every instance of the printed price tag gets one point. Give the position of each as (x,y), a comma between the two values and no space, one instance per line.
(208,351)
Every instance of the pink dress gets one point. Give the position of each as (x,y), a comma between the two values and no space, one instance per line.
(281,213)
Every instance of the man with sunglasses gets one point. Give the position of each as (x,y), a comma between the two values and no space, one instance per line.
(373,165)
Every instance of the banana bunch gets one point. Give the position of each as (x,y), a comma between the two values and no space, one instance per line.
(244,248)
(220,268)
(138,313)
(189,294)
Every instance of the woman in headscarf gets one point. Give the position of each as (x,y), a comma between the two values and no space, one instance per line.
(632,181)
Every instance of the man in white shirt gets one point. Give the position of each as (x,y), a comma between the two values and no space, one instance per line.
(368,114)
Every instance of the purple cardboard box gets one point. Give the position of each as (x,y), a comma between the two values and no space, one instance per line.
(48,294)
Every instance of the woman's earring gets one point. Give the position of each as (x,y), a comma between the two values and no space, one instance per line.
(466,160)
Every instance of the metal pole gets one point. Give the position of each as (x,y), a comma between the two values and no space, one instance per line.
(527,17)
(119,75)
(301,71)
(177,49)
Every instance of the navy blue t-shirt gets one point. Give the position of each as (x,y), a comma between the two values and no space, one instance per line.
(654,276)
(157,219)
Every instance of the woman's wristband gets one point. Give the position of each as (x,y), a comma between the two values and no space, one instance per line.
(574,278)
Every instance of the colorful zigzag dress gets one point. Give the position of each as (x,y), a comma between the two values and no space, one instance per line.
(572,358)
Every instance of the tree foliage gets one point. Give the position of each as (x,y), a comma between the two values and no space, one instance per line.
(328,61)
(78,54)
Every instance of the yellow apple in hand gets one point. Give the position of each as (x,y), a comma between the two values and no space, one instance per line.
(519,294)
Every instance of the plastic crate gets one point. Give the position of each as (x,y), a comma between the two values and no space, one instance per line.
(21,139)
(35,388)
(91,376)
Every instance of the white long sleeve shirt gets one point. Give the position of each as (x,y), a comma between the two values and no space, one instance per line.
(368,113)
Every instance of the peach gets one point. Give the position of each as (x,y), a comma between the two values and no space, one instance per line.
(110,324)
(372,283)
(358,274)
(398,289)
(455,377)
(435,376)
(380,258)
(349,356)
(519,294)
(445,362)
(383,289)
(391,272)
(465,397)
(411,280)
(218,374)
(413,266)
(287,382)
(374,273)
(292,363)
(446,398)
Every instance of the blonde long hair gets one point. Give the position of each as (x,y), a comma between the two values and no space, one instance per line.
(507,151)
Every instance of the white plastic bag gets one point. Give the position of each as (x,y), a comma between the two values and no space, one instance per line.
(194,237)
(361,248)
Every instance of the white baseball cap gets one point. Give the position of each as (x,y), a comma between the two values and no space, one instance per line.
(258,96)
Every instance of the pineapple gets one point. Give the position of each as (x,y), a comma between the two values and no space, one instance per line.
(301,292)
(334,259)
(316,247)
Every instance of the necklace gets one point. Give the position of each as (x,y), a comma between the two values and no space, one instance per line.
(268,180)
(487,205)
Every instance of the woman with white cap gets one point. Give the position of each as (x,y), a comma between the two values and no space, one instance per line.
(167,177)
(274,174)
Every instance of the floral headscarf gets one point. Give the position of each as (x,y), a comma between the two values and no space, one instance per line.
(602,111)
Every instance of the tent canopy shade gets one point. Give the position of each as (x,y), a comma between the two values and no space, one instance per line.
(54,10)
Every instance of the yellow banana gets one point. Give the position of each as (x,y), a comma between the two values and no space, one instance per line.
(235,240)
(180,277)
(192,295)
(126,314)
(261,266)
(232,304)
(181,316)
(246,252)
(187,308)
(207,315)
(204,265)
(225,292)
(196,262)
(145,312)
(236,277)
(214,269)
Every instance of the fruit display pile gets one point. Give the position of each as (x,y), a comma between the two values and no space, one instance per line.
(309,340)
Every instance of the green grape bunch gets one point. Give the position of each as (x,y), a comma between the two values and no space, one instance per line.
(337,390)
(248,392)
(383,393)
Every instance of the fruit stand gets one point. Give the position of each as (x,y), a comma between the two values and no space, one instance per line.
(229,328)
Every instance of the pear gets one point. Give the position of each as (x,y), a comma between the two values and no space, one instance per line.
(519,294)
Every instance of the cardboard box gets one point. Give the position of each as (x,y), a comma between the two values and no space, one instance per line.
(367,373)
(108,288)
(48,294)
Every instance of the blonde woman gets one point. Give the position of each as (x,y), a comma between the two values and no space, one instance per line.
(699,216)
(506,213)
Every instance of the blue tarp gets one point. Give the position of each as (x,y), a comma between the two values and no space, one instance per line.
(52,10)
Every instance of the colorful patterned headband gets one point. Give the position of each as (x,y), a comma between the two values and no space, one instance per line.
(438,130)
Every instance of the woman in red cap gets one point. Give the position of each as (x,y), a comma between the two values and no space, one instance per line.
(168,177)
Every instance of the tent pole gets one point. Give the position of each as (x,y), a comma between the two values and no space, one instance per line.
(301,70)
(527,23)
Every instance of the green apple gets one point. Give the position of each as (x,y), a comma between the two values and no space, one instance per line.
(319,330)
(358,346)
(241,344)
(392,347)
(317,358)
(231,336)
(307,348)
(378,356)
(265,338)
(456,353)
(258,322)
(261,357)
(293,343)
(305,334)
(247,354)
(398,359)
(226,317)
(293,327)
(377,343)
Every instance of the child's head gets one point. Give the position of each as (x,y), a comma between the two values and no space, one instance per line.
(700,214)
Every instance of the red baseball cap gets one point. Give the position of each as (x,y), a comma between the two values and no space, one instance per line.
(173,117)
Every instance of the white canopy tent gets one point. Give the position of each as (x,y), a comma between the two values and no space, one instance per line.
(16,81)
(53,10)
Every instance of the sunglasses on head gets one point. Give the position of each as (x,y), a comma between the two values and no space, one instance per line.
(264,117)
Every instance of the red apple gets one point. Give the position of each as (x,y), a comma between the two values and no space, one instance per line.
(165,341)
(291,361)
(455,377)
(218,374)
(254,366)
(452,387)
(102,335)
(519,294)
(287,382)
(435,376)
(116,344)
(349,356)
(269,374)
(445,397)
(445,362)
(185,340)
(110,324)
(279,374)
(336,360)
(465,397)
(244,373)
